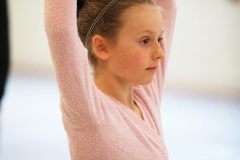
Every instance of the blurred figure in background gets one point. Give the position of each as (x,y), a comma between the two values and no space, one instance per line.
(4,47)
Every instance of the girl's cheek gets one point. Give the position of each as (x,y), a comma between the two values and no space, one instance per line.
(137,61)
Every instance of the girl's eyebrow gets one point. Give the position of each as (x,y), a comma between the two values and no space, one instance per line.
(149,31)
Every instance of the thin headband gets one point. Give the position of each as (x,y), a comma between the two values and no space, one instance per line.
(97,19)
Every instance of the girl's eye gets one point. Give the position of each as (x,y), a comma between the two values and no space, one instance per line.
(159,40)
(145,41)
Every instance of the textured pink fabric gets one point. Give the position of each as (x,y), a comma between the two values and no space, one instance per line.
(98,126)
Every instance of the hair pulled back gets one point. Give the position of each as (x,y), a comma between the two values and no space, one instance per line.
(108,25)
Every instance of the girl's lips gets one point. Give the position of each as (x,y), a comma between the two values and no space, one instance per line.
(152,68)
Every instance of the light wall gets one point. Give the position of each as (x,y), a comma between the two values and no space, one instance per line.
(29,47)
(205,54)
(206,48)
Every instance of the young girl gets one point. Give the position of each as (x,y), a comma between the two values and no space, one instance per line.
(114,113)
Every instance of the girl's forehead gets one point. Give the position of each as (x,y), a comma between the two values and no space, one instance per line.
(142,17)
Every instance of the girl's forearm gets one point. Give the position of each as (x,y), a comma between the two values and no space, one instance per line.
(60,16)
(169,16)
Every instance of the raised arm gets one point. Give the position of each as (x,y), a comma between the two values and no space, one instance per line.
(60,19)
(169,15)
(66,49)
(69,57)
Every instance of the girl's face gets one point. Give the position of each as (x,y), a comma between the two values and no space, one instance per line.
(135,56)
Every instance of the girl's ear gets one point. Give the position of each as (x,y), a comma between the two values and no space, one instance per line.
(100,48)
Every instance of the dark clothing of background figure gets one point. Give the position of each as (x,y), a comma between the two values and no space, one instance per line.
(4,47)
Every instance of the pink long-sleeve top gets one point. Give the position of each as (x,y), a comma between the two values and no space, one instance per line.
(98,126)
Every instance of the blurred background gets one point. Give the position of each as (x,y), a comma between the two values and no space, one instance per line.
(201,103)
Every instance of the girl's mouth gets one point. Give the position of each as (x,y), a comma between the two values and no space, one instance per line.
(152,68)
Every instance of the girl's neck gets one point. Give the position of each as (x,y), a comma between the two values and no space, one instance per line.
(117,88)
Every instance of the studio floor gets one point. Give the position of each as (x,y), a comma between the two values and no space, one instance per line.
(195,127)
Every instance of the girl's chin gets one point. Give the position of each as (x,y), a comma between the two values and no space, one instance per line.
(145,82)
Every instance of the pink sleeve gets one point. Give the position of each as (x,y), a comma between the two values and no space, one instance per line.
(69,58)
(169,16)
(155,89)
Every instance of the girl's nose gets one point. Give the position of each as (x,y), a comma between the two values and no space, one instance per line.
(158,52)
